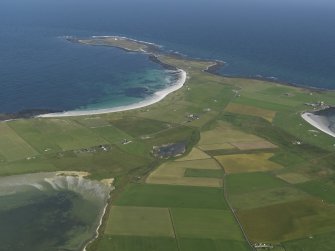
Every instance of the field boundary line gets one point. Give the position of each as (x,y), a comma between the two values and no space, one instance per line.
(174,230)
(225,195)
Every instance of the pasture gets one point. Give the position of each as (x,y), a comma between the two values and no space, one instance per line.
(320,189)
(324,242)
(139,221)
(201,244)
(12,146)
(249,182)
(251,111)
(136,243)
(148,195)
(288,221)
(205,223)
(262,198)
(56,134)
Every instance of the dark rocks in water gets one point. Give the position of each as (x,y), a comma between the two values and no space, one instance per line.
(28,113)
(169,150)
(154,59)
(330,111)
(329,114)
(138,92)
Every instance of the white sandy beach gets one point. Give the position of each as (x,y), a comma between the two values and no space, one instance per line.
(156,97)
(318,122)
(110,183)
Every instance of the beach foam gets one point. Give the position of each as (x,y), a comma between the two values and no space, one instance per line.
(156,97)
(319,122)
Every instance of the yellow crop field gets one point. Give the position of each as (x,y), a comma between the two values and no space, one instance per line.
(240,163)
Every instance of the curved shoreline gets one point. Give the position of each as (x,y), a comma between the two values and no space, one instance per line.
(156,97)
(318,122)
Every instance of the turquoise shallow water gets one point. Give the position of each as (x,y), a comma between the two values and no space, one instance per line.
(43,212)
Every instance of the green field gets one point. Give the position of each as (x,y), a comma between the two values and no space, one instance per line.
(205,223)
(193,244)
(261,198)
(172,196)
(139,221)
(248,182)
(287,221)
(55,134)
(324,242)
(137,243)
(12,146)
(321,189)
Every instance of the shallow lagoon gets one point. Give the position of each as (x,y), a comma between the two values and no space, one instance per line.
(48,212)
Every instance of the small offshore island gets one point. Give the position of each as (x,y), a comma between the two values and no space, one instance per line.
(217,164)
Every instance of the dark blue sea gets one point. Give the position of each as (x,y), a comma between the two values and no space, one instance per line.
(291,40)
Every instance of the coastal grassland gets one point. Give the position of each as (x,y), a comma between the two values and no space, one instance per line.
(137,243)
(239,163)
(139,221)
(288,96)
(267,105)
(205,223)
(185,134)
(92,122)
(187,64)
(64,134)
(101,165)
(112,134)
(26,166)
(116,42)
(251,110)
(12,146)
(288,221)
(115,163)
(148,195)
(137,127)
(292,123)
